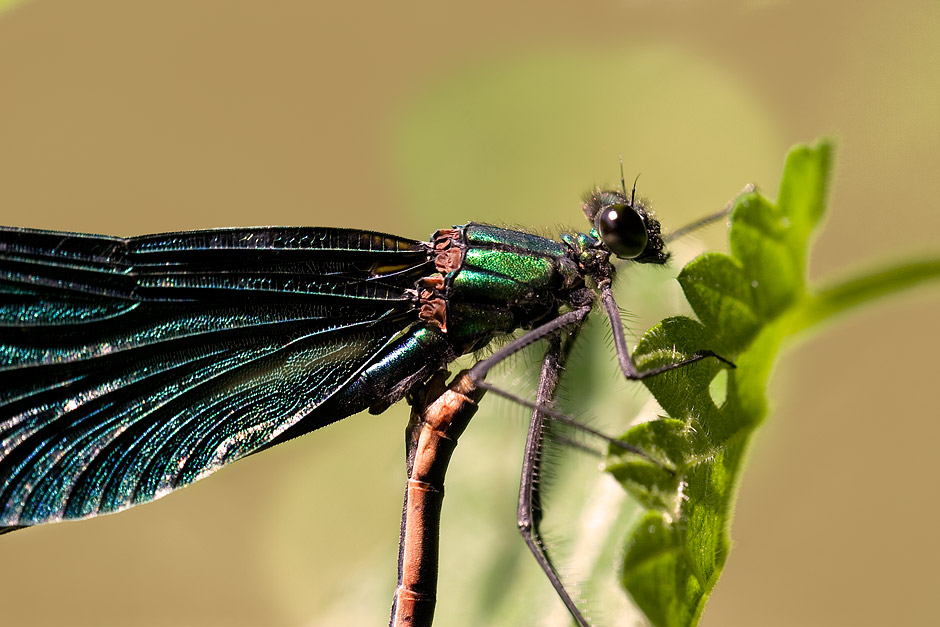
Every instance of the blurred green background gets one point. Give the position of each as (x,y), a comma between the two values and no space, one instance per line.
(126,118)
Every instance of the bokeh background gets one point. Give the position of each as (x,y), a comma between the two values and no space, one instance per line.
(131,117)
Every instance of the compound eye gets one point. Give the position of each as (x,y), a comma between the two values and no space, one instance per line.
(623,230)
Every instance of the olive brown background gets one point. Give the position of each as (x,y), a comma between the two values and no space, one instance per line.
(133,117)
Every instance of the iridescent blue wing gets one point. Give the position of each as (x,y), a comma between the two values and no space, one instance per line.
(132,367)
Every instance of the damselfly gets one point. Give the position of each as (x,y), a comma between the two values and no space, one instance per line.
(130,367)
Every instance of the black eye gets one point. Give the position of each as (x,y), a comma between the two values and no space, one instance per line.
(623,230)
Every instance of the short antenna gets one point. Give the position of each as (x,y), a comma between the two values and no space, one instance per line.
(623,184)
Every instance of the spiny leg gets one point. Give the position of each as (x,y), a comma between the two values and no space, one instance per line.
(529,508)
(529,511)
(627,366)
(574,318)
(714,217)
(571,319)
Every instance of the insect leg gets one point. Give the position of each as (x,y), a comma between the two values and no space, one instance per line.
(574,318)
(529,511)
(571,318)
(623,353)
(718,215)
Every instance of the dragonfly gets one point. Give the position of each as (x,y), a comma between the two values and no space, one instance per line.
(132,367)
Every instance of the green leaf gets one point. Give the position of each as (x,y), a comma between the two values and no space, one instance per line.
(728,307)
(748,304)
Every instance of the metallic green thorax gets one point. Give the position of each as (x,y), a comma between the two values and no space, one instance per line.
(489,282)
(493,281)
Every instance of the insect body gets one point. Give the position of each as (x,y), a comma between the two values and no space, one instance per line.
(132,367)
